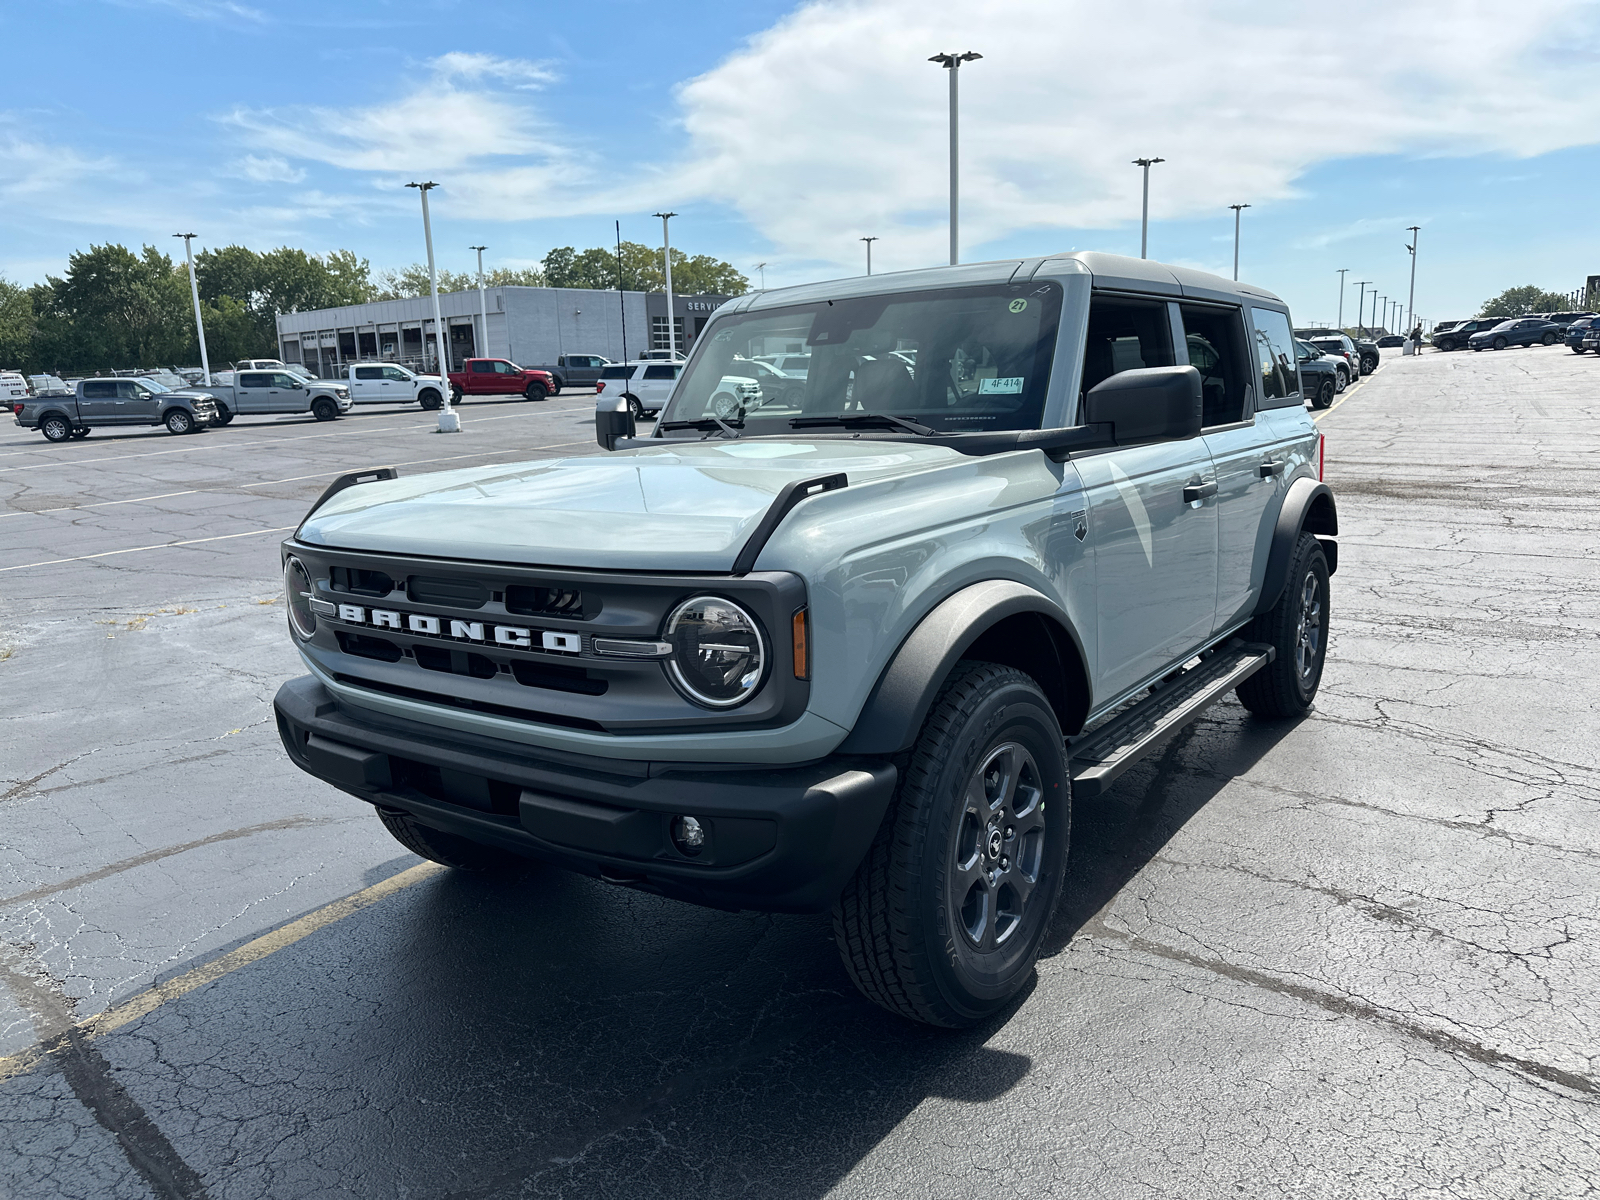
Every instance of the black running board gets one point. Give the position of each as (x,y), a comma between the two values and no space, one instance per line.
(1098,757)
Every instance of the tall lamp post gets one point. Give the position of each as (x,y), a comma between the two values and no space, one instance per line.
(449,419)
(666,254)
(869,241)
(483,301)
(762,267)
(194,292)
(1411,295)
(1237,209)
(1342,273)
(1361,303)
(952,63)
(1144,218)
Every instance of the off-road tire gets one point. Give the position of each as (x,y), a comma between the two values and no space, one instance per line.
(179,421)
(324,409)
(536,391)
(448,849)
(1286,686)
(55,428)
(1325,394)
(225,415)
(430,399)
(897,922)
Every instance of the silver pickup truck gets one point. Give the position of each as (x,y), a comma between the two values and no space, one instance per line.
(104,403)
(857,646)
(276,391)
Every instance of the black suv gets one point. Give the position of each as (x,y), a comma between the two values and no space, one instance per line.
(1577,331)
(1455,338)
(1319,374)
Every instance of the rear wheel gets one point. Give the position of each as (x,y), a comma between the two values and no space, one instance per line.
(636,405)
(944,918)
(1325,394)
(179,421)
(1341,379)
(556,384)
(447,848)
(1297,628)
(81,431)
(536,391)
(1499,343)
(1577,349)
(55,428)
(324,409)
(1446,344)
(1548,339)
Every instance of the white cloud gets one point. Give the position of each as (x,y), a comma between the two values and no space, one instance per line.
(518,72)
(266,169)
(201,10)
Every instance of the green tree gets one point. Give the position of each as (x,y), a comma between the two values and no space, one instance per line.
(17,328)
(641,271)
(275,281)
(113,308)
(1513,302)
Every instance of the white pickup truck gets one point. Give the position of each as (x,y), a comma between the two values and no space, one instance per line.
(390,383)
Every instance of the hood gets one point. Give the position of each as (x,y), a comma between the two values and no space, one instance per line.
(686,506)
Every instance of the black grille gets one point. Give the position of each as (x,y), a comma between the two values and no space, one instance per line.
(458,662)
(536,601)
(558,679)
(363,646)
(359,582)
(453,593)
(498,710)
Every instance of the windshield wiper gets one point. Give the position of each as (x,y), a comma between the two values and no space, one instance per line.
(708,425)
(854,420)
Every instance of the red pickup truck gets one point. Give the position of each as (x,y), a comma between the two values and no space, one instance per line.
(498,377)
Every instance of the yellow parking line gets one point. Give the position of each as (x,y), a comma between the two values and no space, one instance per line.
(146,1002)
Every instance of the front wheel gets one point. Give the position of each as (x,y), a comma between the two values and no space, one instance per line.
(55,428)
(944,918)
(1577,349)
(536,391)
(324,409)
(447,848)
(430,399)
(224,415)
(1325,394)
(1548,339)
(82,431)
(1341,380)
(1500,343)
(1297,628)
(179,421)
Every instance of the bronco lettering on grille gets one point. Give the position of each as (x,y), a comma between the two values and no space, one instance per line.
(516,637)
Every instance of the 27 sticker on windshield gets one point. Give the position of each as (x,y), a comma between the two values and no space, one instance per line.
(1009,386)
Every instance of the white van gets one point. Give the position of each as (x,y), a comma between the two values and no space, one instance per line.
(13,388)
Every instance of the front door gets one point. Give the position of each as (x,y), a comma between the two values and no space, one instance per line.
(138,405)
(1152,516)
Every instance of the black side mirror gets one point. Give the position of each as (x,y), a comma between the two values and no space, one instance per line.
(1147,404)
(613,420)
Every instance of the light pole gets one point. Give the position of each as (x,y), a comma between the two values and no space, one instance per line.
(194,292)
(1411,296)
(1342,271)
(869,241)
(1144,218)
(483,302)
(1361,303)
(952,63)
(666,254)
(1385,325)
(762,267)
(449,419)
(1237,209)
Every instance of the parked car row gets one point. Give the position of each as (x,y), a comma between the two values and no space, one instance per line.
(1500,333)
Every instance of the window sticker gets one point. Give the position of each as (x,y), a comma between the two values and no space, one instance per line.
(1010,386)
(1018,305)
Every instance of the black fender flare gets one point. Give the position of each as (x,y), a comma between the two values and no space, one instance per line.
(1309,507)
(899,702)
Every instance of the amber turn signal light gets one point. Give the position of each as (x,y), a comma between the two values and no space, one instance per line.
(802,649)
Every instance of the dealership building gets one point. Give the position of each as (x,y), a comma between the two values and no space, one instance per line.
(525,324)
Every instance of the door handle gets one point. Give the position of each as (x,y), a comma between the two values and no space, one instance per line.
(1196,492)
(1271,468)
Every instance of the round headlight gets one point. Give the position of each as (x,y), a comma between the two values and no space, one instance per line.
(718,653)
(297,587)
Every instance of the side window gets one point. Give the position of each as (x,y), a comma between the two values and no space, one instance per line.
(483,368)
(1125,335)
(1280,378)
(502,368)
(285,381)
(369,372)
(396,373)
(99,389)
(1217,349)
(254,381)
(660,373)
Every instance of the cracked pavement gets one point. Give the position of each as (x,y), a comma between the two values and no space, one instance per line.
(1353,956)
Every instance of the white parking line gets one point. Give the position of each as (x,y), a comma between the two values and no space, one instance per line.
(136,549)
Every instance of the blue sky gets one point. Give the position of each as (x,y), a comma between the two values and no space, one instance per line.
(783,132)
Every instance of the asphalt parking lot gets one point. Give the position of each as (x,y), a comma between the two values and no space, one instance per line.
(1353,956)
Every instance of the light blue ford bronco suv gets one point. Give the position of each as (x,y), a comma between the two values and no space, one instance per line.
(857,644)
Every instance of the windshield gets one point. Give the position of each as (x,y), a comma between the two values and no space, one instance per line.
(152,384)
(956,360)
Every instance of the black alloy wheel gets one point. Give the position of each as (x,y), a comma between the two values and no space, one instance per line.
(179,421)
(1297,629)
(944,917)
(536,391)
(1548,339)
(1444,344)
(55,428)
(1325,394)
(324,409)
(1341,379)
(429,399)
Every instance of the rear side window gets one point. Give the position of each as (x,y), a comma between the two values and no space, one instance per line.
(99,389)
(1125,335)
(1214,338)
(369,372)
(482,368)
(1280,378)
(247,380)
(616,372)
(661,372)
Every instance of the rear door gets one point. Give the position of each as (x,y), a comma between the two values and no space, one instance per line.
(367,384)
(254,392)
(655,384)
(97,402)
(1154,539)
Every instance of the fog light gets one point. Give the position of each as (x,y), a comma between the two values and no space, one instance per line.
(688,835)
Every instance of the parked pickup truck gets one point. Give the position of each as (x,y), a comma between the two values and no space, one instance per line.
(390,383)
(99,403)
(499,377)
(278,391)
(858,647)
(576,370)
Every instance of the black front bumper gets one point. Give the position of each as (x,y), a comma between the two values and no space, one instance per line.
(779,839)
